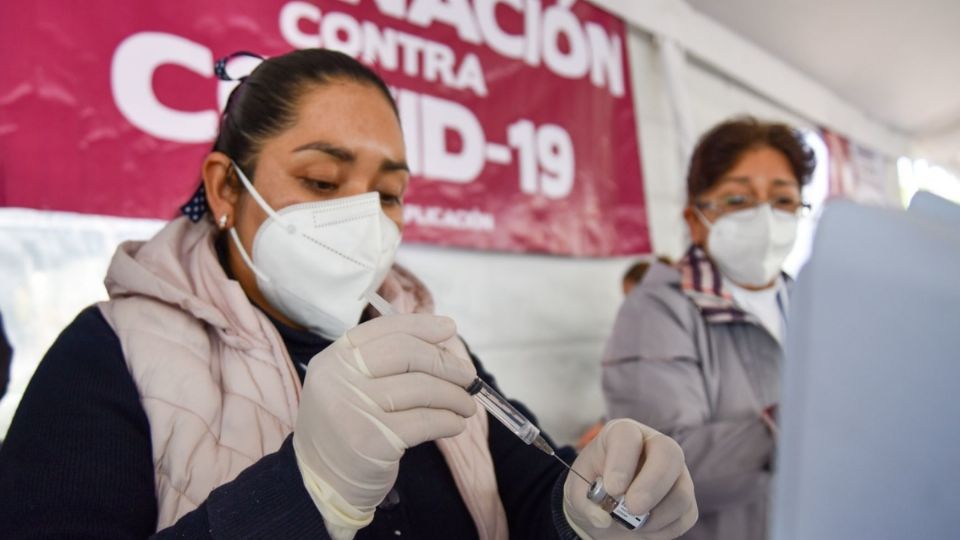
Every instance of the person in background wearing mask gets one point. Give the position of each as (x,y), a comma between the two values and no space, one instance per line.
(696,348)
(235,385)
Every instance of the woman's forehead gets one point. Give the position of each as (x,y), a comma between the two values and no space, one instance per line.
(346,113)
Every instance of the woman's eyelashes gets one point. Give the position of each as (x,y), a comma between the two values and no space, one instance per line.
(389,199)
(320,186)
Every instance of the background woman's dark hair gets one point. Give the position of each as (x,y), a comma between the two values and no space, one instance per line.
(265,102)
(637,270)
(720,148)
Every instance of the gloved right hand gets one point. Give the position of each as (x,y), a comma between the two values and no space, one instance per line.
(644,466)
(383,387)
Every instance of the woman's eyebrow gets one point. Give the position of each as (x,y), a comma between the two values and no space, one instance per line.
(332,150)
(785,182)
(746,180)
(389,165)
(343,154)
(735,179)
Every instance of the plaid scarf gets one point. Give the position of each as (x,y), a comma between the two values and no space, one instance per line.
(700,280)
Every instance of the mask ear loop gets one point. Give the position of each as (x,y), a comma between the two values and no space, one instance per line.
(266,208)
(703,219)
(245,257)
(259,200)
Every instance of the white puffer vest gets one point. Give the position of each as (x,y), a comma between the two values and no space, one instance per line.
(217,383)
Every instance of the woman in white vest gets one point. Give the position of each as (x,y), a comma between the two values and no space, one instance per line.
(235,386)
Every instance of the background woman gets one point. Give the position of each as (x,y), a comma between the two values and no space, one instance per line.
(696,348)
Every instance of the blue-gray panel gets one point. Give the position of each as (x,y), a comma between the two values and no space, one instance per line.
(870,440)
(935,208)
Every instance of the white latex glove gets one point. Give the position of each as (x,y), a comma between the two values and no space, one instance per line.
(383,387)
(642,463)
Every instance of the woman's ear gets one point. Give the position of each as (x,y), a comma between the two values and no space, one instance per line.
(698,231)
(222,187)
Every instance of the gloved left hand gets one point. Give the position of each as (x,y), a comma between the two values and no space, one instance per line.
(644,465)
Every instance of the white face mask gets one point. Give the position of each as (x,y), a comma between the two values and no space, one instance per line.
(749,246)
(314,261)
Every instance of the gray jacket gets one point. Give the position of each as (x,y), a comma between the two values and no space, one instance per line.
(686,361)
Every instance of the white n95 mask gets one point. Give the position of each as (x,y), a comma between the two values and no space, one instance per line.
(314,261)
(749,246)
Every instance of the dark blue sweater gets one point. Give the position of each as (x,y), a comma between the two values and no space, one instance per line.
(6,354)
(77,463)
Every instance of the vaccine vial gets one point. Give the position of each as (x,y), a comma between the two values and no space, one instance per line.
(614,506)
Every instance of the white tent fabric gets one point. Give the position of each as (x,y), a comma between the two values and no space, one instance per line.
(52,265)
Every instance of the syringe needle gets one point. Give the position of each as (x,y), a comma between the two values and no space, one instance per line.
(571,469)
(542,444)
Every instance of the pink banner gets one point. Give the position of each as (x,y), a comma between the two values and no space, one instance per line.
(858,173)
(840,174)
(517,113)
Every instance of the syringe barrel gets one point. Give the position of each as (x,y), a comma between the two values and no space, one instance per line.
(506,413)
(492,401)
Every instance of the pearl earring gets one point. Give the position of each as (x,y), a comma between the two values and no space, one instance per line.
(223,221)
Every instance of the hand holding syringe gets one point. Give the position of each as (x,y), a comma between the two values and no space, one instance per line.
(522,427)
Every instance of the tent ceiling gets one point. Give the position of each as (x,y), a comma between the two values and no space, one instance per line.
(899,62)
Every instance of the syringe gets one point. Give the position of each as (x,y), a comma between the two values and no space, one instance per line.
(509,416)
(491,400)
(529,433)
